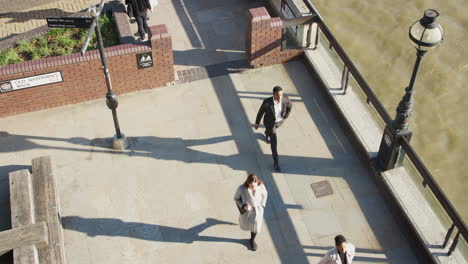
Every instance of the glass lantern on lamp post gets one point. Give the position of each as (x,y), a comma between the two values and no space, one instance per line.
(424,34)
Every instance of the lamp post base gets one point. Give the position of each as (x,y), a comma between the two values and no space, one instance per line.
(120,143)
(390,153)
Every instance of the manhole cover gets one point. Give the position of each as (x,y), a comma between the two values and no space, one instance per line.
(322,188)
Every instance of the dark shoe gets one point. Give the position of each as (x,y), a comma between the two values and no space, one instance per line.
(252,241)
(254,245)
(277,168)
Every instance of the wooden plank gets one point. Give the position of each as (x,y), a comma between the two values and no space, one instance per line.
(33,234)
(47,209)
(22,212)
(21,198)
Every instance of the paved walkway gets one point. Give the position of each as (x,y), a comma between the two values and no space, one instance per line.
(169,197)
(204,32)
(172,191)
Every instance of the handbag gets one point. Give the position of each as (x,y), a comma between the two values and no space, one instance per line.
(241,209)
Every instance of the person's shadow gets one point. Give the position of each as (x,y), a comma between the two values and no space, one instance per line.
(115,227)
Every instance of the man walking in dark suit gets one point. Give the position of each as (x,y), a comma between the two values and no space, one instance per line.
(276,109)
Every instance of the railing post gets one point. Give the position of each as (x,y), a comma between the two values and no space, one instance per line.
(449,233)
(317,35)
(424,183)
(454,244)
(344,79)
(309,33)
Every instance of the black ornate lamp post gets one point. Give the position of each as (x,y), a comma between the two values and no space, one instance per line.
(424,34)
(119,141)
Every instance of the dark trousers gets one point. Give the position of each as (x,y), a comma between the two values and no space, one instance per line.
(271,133)
(142,24)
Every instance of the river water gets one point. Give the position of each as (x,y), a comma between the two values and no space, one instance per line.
(375,36)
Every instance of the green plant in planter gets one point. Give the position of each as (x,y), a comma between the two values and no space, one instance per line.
(60,41)
(56,32)
(64,41)
(9,56)
(25,49)
(59,51)
(44,52)
(35,54)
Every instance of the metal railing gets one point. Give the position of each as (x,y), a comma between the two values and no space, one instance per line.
(449,209)
(350,69)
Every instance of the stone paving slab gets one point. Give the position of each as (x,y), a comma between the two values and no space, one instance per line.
(191,145)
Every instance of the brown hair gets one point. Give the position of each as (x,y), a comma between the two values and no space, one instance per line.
(252,178)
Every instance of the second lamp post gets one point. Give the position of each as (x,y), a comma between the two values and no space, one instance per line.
(424,34)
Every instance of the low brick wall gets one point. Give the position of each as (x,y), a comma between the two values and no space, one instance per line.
(83,78)
(263,40)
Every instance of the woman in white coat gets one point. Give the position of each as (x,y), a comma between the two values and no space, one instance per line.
(251,199)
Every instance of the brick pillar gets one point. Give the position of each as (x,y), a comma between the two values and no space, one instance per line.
(161,44)
(263,40)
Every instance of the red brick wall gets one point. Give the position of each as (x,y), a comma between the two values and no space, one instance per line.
(263,40)
(83,78)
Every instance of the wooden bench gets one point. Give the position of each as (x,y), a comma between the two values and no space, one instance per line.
(26,236)
(37,234)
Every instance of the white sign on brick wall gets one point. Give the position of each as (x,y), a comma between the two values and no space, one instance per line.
(31,81)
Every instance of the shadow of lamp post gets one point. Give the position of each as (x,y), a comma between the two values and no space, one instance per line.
(424,34)
(120,141)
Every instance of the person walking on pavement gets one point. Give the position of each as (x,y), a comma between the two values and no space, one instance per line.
(276,110)
(139,9)
(342,253)
(251,199)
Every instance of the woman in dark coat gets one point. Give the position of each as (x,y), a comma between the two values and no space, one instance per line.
(139,9)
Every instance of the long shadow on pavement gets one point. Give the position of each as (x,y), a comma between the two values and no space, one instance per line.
(115,227)
(278,221)
(163,149)
(388,230)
